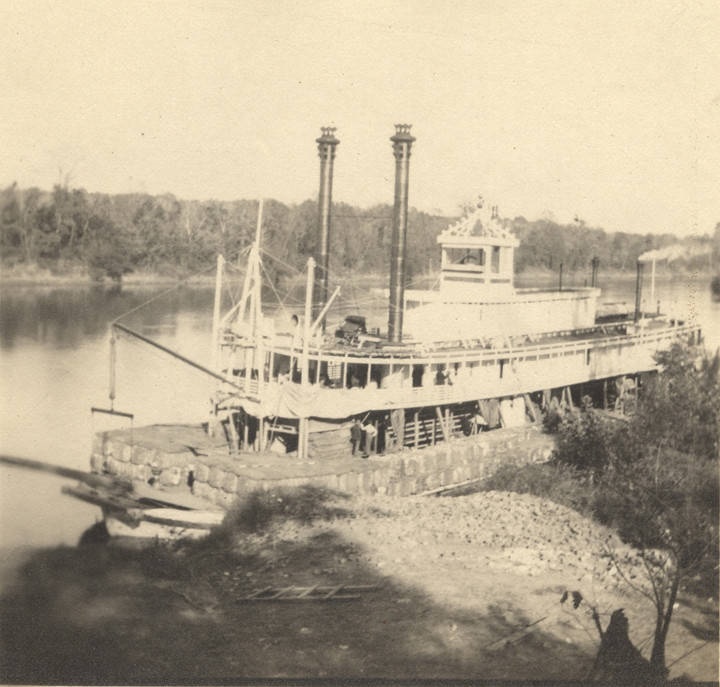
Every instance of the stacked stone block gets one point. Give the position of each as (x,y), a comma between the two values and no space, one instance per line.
(399,474)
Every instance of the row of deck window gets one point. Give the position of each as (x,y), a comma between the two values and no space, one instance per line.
(351,375)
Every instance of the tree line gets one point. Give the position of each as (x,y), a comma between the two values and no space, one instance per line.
(112,235)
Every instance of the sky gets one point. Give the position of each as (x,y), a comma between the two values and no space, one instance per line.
(606,111)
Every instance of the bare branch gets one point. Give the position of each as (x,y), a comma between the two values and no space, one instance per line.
(687,653)
(614,560)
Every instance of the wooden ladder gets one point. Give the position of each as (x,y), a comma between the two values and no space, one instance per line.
(315,593)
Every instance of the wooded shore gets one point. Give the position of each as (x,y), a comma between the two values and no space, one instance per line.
(114,236)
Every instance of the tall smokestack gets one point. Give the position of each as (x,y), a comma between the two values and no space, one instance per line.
(326,149)
(638,291)
(595,264)
(402,142)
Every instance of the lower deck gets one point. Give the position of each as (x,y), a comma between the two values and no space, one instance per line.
(381,431)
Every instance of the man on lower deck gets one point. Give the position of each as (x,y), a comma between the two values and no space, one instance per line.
(370,435)
(355,435)
(479,423)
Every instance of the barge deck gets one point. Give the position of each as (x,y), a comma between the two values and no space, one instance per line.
(177,457)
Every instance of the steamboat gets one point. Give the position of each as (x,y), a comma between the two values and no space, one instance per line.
(473,354)
(300,402)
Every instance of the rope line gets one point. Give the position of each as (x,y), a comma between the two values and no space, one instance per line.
(161,294)
(272,286)
(281,261)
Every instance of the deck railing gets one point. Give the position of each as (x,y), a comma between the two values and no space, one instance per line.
(469,350)
(526,367)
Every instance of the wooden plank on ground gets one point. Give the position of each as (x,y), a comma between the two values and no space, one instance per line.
(307,592)
(450,487)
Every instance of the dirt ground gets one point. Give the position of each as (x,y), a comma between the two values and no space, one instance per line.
(466,587)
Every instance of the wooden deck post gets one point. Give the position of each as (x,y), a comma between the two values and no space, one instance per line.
(443,426)
(234,438)
(531,408)
(605,394)
(302,430)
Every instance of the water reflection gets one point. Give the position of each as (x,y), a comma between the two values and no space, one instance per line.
(67,317)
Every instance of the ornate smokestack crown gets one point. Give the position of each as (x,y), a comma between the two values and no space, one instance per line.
(402,133)
(327,142)
(402,141)
(328,135)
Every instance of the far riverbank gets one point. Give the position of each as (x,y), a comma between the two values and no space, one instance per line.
(77,276)
(73,275)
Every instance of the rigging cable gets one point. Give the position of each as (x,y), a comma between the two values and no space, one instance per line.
(162,293)
(113,344)
(281,261)
(281,303)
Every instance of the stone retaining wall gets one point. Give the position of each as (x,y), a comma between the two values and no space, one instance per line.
(398,474)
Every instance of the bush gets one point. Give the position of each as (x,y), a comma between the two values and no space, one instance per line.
(585,439)
(552,419)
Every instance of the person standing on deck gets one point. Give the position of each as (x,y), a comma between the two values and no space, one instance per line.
(479,422)
(370,434)
(355,435)
(442,376)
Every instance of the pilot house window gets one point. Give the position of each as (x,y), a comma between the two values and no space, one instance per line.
(466,256)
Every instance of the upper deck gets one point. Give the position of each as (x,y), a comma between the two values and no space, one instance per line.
(342,379)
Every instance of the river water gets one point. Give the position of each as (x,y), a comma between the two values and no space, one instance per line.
(54,366)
